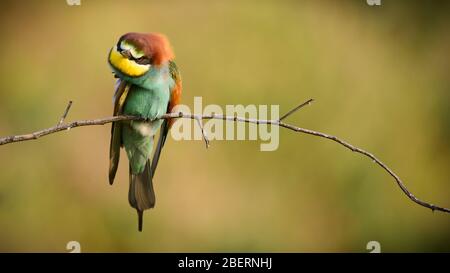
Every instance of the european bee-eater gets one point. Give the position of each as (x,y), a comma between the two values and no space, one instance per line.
(149,85)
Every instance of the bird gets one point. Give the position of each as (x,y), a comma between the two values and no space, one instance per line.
(148,86)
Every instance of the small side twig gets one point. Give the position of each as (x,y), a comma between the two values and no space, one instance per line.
(63,117)
(308,102)
(200,124)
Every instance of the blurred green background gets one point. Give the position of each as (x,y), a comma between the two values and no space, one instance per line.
(380,76)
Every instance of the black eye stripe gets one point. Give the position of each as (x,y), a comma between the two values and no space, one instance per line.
(142,60)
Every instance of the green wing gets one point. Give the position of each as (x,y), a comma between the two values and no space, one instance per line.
(175,96)
(116,129)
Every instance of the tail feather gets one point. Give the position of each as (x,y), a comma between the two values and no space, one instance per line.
(140,219)
(141,195)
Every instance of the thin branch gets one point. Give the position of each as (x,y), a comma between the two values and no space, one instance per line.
(308,102)
(65,113)
(103,121)
(200,124)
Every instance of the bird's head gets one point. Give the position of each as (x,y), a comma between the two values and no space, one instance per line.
(135,53)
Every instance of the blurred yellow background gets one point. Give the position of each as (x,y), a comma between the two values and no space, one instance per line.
(380,78)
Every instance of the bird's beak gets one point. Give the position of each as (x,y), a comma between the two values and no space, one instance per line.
(126,53)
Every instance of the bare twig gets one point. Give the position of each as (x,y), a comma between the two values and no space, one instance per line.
(308,102)
(102,121)
(65,113)
(200,124)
